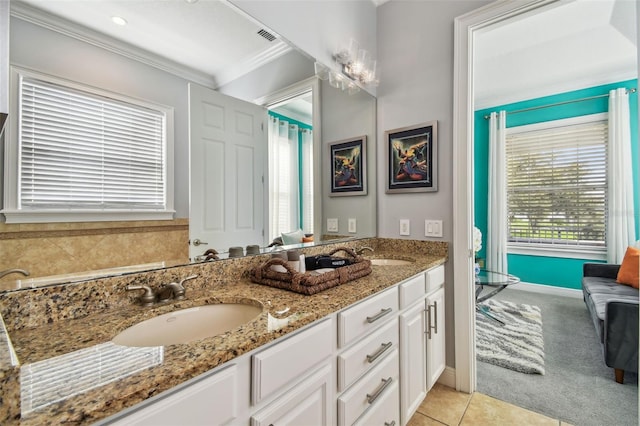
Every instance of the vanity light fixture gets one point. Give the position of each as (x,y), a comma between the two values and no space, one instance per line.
(357,64)
(336,79)
(118,20)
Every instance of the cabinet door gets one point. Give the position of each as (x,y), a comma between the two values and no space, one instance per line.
(435,337)
(309,403)
(386,413)
(278,366)
(212,400)
(413,365)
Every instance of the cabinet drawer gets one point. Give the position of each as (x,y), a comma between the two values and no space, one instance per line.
(366,354)
(368,391)
(385,412)
(412,290)
(309,403)
(435,278)
(278,365)
(366,316)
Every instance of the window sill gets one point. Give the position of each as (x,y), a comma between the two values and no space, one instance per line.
(564,252)
(51,216)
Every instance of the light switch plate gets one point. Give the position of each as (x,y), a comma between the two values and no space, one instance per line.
(405,227)
(433,228)
(332,225)
(352,225)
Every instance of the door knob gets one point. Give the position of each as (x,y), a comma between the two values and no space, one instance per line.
(197,242)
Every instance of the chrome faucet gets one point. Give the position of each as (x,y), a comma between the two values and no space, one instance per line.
(171,291)
(12,271)
(363,248)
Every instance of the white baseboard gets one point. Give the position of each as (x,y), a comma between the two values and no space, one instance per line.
(448,377)
(548,289)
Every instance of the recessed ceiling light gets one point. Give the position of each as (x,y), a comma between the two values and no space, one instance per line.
(119,20)
(191,1)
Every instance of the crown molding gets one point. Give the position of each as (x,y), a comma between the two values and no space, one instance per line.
(229,74)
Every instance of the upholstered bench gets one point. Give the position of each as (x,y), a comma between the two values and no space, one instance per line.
(614,311)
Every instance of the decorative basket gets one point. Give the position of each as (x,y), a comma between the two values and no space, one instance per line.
(309,283)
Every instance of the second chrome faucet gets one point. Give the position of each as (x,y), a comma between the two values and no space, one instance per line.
(166,292)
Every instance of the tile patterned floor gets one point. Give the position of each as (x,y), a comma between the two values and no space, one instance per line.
(445,406)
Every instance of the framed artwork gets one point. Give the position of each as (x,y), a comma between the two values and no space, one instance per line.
(412,158)
(348,167)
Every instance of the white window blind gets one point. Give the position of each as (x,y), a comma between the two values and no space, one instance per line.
(557,186)
(84,151)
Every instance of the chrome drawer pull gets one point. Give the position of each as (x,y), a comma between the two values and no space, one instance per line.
(428,319)
(379,315)
(393,423)
(435,316)
(383,349)
(371,398)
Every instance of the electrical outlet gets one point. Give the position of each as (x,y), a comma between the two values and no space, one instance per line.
(405,227)
(433,228)
(332,225)
(352,225)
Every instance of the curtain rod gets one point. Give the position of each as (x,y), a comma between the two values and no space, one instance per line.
(632,90)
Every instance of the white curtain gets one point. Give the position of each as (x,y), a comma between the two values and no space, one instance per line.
(283,177)
(307,180)
(620,221)
(497,209)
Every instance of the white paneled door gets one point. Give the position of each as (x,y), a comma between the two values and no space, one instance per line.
(228,142)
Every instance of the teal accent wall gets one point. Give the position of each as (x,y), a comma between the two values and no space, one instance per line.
(553,271)
(300,125)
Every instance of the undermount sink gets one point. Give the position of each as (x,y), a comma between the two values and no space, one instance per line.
(187,325)
(390,262)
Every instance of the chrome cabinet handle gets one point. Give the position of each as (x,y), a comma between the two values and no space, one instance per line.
(393,423)
(372,398)
(379,315)
(197,242)
(435,316)
(376,355)
(428,320)
(433,307)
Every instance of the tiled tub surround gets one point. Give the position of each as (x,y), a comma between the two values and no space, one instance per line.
(82,318)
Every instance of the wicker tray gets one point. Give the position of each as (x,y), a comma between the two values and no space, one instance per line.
(308,283)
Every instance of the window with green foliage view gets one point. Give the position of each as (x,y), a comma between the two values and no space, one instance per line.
(557,184)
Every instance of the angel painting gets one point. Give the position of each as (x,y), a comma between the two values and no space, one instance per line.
(411,155)
(345,167)
(411,160)
(348,167)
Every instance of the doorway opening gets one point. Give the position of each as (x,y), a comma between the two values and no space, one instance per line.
(293,171)
(290,152)
(468,28)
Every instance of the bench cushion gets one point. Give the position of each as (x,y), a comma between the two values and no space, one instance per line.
(598,285)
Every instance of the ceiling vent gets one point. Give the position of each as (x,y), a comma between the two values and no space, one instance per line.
(266,34)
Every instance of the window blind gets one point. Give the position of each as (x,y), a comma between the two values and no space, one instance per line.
(83,151)
(557,185)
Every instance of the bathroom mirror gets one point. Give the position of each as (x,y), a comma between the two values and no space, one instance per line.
(69,50)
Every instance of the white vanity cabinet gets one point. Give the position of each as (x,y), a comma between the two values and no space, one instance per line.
(368,360)
(371,363)
(436,350)
(422,345)
(413,364)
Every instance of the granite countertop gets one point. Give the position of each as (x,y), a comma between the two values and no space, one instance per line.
(70,347)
